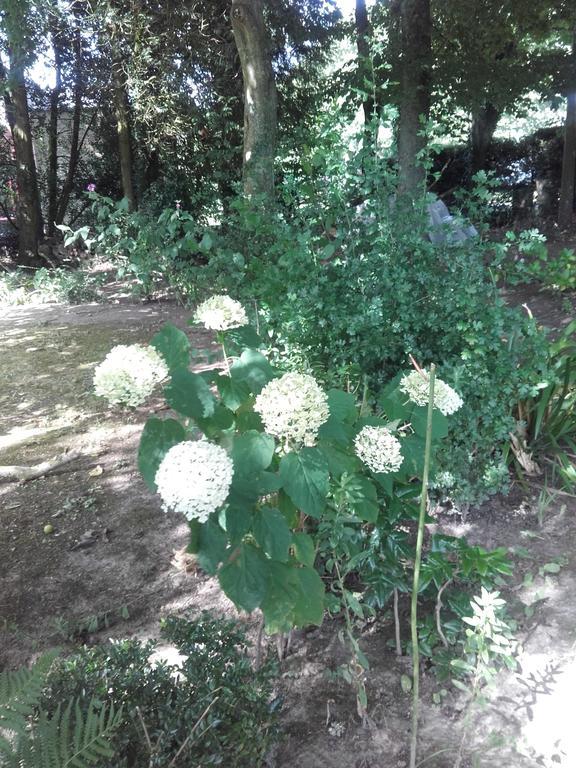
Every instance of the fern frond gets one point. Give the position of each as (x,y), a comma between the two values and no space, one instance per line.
(72,738)
(19,693)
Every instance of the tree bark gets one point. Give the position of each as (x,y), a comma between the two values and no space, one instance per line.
(365,69)
(52,174)
(484,122)
(568,181)
(29,212)
(74,156)
(415,85)
(260,98)
(123,127)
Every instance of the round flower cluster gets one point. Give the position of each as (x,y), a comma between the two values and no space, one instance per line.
(293,408)
(417,385)
(221,313)
(194,478)
(129,373)
(379,449)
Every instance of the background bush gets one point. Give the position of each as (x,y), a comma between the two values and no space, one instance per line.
(170,699)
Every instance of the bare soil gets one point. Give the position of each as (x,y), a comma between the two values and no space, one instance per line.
(109,566)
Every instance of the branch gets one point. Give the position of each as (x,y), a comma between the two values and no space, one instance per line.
(21,473)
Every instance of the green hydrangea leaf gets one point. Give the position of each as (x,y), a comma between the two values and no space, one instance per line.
(173,345)
(272,533)
(251,452)
(304,549)
(158,436)
(188,394)
(233,393)
(244,578)
(305,479)
(253,369)
(211,546)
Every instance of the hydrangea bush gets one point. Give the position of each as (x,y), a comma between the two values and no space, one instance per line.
(262,463)
(128,374)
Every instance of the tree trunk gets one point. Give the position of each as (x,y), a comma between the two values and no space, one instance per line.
(484,122)
(122,107)
(415,84)
(365,69)
(29,211)
(52,174)
(76,118)
(568,182)
(260,99)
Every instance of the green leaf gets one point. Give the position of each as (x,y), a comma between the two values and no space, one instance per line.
(158,436)
(252,369)
(243,337)
(233,393)
(244,578)
(304,550)
(551,568)
(295,598)
(238,520)
(194,540)
(339,459)
(310,605)
(419,422)
(406,683)
(342,405)
(221,420)
(251,452)
(362,498)
(212,546)
(189,395)
(305,479)
(173,345)
(272,533)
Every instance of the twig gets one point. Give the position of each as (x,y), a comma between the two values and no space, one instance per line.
(258,660)
(397,625)
(172,763)
(416,582)
(146,734)
(22,473)
(437,613)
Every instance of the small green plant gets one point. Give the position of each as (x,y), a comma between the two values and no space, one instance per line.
(64,735)
(45,286)
(211,708)
(547,419)
(489,646)
(533,263)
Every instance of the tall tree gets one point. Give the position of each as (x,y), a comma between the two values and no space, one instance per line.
(365,67)
(17,25)
(260,99)
(415,92)
(568,181)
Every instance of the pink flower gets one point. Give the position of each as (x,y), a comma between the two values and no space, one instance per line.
(91,188)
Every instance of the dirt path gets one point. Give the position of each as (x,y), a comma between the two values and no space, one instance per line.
(54,589)
(107,562)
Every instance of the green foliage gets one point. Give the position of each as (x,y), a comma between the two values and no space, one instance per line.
(547,420)
(284,500)
(164,703)
(45,286)
(65,735)
(525,258)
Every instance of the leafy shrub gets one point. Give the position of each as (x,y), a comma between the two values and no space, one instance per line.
(547,419)
(65,735)
(46,286)
(524,258)
(215,695)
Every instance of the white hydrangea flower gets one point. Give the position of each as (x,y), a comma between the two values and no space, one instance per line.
(194,478)
(379,449)
(416,385)
(293,408)
(129,373)
(221,313)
